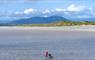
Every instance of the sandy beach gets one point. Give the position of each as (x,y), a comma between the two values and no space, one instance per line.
(64,43)
(61,28)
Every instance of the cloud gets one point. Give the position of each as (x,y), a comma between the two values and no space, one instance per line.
(74,7)
(92,11)
(29,10)
(26,11)
(17,13)
(74,11)
(83,16)
(78,11)
(59,9)
(46,11)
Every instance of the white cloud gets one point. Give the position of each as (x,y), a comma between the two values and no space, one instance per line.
(59,9)
(24,12)
(45,16)
(29,10)
(74,7)
(46,11)
(84,16)
(17,13)
(77,11)
(92,11)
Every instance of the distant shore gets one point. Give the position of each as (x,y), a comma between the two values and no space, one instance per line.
(59,28)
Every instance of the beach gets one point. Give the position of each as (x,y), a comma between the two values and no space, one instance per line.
(61,28)
(64,43)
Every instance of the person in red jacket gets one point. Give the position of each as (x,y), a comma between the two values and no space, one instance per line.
(48,56)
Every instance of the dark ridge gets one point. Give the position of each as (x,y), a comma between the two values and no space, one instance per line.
(40,20)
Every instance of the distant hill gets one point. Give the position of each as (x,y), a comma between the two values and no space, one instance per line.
(39,20)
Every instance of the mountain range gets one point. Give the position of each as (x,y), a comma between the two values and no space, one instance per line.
(39,20)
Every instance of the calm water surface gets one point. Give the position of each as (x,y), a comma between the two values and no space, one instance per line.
(31,45)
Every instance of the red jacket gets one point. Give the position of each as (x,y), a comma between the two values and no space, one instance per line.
(46,54)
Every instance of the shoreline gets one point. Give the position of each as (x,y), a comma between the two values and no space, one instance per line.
(59,28)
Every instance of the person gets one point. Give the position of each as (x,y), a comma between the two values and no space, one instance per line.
(48,56)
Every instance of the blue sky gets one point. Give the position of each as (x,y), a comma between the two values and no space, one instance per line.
(14,5)
(9,8)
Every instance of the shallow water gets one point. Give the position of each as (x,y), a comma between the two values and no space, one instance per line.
(31,45)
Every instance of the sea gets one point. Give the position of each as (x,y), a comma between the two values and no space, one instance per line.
(32,44)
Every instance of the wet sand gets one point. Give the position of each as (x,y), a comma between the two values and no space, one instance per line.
(29,43)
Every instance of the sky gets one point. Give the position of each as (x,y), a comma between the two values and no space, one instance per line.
(15,9)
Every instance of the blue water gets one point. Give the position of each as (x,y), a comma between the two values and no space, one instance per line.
(31,45)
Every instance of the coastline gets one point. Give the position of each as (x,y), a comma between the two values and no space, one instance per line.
(59,28)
